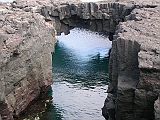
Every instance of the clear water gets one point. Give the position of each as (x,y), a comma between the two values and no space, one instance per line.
(80,67)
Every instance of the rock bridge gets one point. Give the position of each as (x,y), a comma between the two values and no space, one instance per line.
(99,17)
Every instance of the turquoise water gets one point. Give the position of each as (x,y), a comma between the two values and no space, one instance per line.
(80,67)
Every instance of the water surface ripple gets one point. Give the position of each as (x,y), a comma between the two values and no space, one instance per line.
(80,67)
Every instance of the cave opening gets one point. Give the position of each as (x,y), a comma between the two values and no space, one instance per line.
(101,26)
(80,74)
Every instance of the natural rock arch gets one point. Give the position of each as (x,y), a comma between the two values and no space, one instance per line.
(134,62)
(99,17)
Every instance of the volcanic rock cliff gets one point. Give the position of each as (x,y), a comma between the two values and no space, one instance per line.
(27,38)
(135,67)
(26,43)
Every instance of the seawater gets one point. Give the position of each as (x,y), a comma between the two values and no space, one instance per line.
(80,74)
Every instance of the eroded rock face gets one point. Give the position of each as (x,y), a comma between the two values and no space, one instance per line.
(100,17)
(135,66)
(26,43)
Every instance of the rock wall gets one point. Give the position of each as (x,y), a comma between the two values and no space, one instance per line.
(26,43)
(135,67)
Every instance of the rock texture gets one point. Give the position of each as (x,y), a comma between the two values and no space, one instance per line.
(135,67)
(101,17)
(26,43)
(27,38)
